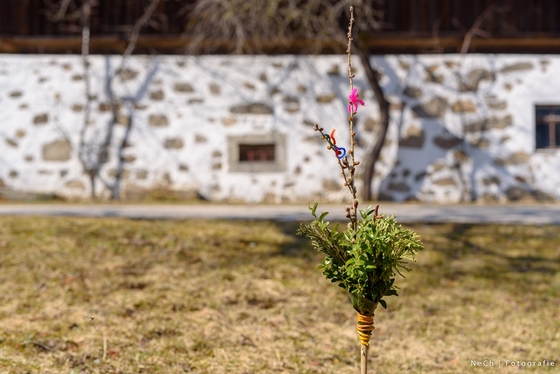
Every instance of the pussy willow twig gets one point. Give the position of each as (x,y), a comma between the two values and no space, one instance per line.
(347,167)
(353,163)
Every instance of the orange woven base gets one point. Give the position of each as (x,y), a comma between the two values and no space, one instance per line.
(365,328)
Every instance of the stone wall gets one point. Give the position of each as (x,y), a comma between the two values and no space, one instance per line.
(462,127)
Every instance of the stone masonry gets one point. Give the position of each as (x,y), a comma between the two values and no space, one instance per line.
(462,127)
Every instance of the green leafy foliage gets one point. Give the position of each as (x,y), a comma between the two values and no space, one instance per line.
(364,261)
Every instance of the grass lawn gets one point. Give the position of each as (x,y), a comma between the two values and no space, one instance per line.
(127,296)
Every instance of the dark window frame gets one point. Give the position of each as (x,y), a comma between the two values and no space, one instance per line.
(547,126)
(261,163)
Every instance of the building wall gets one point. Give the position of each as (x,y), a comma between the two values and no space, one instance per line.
(462,127)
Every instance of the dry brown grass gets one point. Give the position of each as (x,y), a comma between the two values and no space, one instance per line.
(123,296)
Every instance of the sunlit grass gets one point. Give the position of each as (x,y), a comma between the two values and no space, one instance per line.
(123,296)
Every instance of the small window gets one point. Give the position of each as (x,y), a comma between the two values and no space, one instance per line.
(253,153)
(256,152)
(547,127)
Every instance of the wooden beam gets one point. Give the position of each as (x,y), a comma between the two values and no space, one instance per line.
(376,45)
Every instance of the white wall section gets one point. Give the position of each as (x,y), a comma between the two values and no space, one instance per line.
(462,127)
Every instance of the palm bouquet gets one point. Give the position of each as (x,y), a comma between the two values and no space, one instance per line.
(365,258)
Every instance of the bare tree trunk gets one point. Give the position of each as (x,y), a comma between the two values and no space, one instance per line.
(116,191)
(91,156)
(92,177)
(372,157)
(86,19)
(117,103)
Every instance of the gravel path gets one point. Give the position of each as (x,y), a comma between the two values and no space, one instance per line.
(517,213)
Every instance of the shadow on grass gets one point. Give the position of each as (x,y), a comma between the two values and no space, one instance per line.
(517,249)
(297,246)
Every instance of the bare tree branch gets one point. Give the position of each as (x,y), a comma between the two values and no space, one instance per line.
(62,10)
(91,168)
(251,22)
(116,103)
(476,28)
(141,22)
(435,36)
(373,156)
(92,154)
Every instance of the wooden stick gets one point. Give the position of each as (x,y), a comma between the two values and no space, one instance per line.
(365,327)
(363,355)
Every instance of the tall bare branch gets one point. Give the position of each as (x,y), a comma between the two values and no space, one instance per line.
(117,103)
(89,168)
(62,10)
(476,28)
(138,25)
(373,156)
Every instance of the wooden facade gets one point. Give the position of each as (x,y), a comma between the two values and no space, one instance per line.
(406,26)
